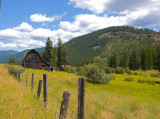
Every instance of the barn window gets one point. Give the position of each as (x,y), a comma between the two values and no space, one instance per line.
(43,65)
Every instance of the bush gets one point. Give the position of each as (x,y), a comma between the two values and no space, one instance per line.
(80,70)
(93,72)
(127,71)
(119,70)
(113,70)
(151,82)
(141,81)
(135,73)
(146,81)
(154,75)
(128,79)
(70,69)
(11,69)
(108,70)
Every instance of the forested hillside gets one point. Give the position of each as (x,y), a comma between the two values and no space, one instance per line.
(104,42)
(8,52)
(110,40)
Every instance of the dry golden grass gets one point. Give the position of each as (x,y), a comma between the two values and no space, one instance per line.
(129,99)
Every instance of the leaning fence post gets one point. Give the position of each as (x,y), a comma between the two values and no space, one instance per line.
(22,74)
(32,82)
(19,76)
(26,79)
(39,89)
(45,89)
(64,105)
(81,98)
(16,75)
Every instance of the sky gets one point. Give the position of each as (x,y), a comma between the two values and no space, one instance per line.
(26,24)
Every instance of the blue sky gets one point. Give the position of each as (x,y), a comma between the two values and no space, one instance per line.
(26,24)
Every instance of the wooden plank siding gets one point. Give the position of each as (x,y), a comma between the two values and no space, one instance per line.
(33,60)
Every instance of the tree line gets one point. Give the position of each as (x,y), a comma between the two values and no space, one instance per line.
(55,56)
(148,59)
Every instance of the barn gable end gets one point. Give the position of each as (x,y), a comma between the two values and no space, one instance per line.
(33,60)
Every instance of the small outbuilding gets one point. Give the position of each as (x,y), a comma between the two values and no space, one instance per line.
(33,60)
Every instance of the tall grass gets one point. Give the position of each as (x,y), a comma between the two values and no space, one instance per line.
(131,100)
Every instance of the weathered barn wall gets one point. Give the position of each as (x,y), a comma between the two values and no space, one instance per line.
(33,60)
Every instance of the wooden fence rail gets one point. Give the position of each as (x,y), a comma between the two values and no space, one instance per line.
(66,95)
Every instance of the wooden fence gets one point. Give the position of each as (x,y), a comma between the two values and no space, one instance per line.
(18,74)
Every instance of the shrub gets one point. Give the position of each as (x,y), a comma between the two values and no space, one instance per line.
(128,79)
(146,81)
(127,71)
(119,70)
(154,75)
(80,70)
(113,70)
(151,82)
(108,70)
(69,69)
(93,72)
(141,81)
(135,73)
(11,69)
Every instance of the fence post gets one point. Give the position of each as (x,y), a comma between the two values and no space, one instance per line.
(19,76)
(26,78)
(22,74)
(32,82)
(64,105)
(45,89)
(81,98)
(39,89)
(16,75)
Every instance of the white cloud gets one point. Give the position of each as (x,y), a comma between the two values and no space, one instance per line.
(44,18)
(41,18)
(24,27)
(85,23)
(97,6)
(138,13)
(10,45)
(26,39)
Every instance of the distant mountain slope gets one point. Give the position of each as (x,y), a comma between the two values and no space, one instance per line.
(18,56)
(104,43)
(8,52)
(110,40)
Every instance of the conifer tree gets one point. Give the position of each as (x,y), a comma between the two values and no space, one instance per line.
(47,55)
(125,60)
(144,60)
(12,61)
(113,62)
(134,61)
(150,59)
(158,58)
(61,54)
(154,59)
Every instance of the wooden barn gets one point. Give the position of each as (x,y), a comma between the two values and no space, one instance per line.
(33,60)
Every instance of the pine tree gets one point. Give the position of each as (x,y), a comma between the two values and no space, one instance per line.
(47,55)
(125,60)
(158,58)
(134,61)
(61,54)
(113,62)
(12,61)
(154,59)
(150,59)
(144,59)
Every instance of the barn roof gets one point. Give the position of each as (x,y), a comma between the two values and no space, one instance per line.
(33,50)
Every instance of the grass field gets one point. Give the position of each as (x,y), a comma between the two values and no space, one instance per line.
(132,100)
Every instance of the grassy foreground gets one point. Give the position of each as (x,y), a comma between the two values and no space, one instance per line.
(132,100)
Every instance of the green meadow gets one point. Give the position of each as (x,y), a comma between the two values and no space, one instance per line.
(116,100)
